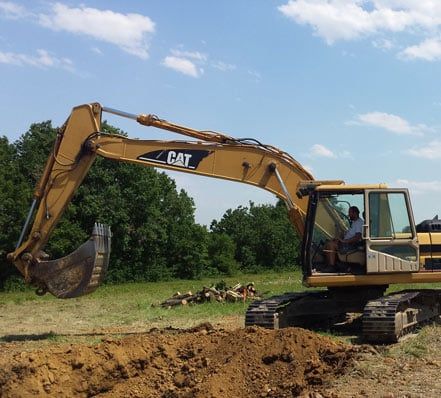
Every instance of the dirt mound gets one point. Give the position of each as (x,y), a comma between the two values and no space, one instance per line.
(203,362)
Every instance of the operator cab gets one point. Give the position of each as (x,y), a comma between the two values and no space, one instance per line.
(388,241)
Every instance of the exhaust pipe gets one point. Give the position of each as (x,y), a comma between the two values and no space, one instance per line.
(79,273)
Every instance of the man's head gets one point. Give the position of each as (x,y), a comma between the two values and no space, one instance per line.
(354,213)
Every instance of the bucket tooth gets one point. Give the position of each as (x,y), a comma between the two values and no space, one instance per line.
(80,272)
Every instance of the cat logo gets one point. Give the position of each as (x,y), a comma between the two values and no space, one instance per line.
(181,158)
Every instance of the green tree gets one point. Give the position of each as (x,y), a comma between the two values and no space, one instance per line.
(154,232)
(33,148)
(14,200)
(221,252)
(263,236)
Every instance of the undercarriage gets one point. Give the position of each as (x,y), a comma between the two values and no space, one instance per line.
(385,319)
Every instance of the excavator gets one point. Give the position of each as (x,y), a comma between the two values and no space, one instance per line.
(393,249)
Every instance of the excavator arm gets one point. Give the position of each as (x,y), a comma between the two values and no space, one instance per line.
(77,145)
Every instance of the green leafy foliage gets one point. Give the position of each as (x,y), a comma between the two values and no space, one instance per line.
(221,251)
(15,196)
(262,234)
(33,148)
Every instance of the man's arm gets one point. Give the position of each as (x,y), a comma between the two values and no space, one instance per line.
(356,238)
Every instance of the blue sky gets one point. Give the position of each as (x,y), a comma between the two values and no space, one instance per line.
(351,89)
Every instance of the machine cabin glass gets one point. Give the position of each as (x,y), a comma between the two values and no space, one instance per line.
(329,219)
(387,242)
(391,239)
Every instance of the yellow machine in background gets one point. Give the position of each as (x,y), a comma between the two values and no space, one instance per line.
(393,250)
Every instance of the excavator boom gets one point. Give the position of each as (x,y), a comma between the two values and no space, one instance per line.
(77,145)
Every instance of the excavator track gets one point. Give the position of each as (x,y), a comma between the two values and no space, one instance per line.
(266,313)
(388,318)
(385,318)
(319,309)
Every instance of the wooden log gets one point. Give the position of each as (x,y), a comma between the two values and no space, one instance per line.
(178,295)
(172,302)
(232,296)
(236,287)
(207,294)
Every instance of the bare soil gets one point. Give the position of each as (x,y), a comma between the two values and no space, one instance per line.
(200,362)
(53,350)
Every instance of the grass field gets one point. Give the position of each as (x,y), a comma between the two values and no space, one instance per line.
(132,307)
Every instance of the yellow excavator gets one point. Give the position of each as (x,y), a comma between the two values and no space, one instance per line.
(392,250)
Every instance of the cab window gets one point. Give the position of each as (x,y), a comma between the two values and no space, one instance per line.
(389,216)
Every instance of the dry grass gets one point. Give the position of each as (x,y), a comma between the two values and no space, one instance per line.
(127,308)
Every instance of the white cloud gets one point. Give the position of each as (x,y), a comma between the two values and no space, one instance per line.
(12,10)
(429,50)
(256,75)
(182,65)
(346,20)
(318,150)
(345,154)
(196,55)
(383,44)
(430,151)
(191,63)
(96,50)
(419,187)
(222,66)
(335,20)
(345,53)
(390,122)
(43,59)
(130,32)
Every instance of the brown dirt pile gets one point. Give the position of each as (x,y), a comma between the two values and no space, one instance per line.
(201,362)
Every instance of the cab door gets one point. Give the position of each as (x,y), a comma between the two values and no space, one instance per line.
(389,232)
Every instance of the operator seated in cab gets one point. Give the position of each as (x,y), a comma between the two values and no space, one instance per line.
(351,239)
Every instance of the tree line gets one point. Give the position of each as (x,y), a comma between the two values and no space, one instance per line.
(155,235)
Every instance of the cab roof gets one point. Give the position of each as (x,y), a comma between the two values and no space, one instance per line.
(349,187)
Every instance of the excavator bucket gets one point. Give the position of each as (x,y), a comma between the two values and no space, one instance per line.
(79,273)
